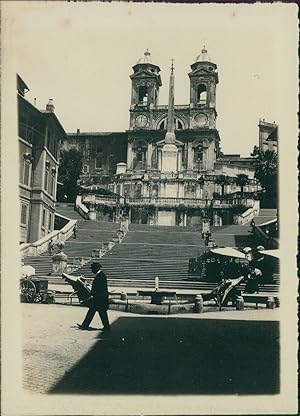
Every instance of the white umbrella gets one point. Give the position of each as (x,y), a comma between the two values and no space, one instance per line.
(229,252)
(272,253)
(27,271)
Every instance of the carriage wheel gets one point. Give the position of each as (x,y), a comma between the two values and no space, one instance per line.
(28,290)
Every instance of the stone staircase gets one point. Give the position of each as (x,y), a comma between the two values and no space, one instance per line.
(146,252)
(265,215)
(238,236)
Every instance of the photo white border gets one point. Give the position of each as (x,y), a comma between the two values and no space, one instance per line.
(15,401)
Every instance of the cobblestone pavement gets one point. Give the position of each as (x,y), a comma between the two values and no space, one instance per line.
(211,353)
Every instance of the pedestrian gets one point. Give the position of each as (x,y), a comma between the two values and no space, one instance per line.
(51,247)
(252,225)
(253,280)
(75,230)
(98,301)
(206,238)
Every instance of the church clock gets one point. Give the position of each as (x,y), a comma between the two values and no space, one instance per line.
(141,121)
(201,119)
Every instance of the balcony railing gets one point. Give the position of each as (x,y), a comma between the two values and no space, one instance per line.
(231,202)
(176,107)
(168,202)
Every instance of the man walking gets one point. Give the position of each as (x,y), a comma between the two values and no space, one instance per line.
(98,300)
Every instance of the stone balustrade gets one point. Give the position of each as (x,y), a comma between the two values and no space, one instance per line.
(81,208)
(173,202)
(168,202)
(231,202)
(40,246)
(247,216)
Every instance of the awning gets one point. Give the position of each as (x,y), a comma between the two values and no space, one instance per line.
(267,222)
(229,252)
(272,253)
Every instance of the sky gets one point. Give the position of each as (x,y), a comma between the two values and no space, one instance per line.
(81,55)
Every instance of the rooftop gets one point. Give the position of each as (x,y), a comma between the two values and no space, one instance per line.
(203,57)
(146,58)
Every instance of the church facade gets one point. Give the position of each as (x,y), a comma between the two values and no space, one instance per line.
(163,166)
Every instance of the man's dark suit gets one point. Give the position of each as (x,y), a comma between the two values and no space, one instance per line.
(98,302)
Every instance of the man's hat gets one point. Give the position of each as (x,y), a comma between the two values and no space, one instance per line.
(96,264)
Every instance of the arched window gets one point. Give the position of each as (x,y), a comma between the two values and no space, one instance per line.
(143,95)
(201,94)
(163,125)
(177,124)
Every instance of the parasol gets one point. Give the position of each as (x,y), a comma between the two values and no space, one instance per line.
(27,271)
(272,253)
(229,252)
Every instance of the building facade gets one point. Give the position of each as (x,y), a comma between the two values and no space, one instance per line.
(39,134)
(168,173)
(101,152)
(268,136)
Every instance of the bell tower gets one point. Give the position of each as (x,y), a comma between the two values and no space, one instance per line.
(203,81)
(144,91)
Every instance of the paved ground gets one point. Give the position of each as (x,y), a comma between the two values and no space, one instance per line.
(211,353)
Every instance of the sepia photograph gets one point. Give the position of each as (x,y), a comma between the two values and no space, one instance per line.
(149,208)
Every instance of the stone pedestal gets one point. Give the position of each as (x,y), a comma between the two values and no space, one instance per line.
(59,264)
(270,303)
(205,225)
(96,252)
(169,158)
(240,304)
(198,307)
(217,220)
(124,224)
(92,215)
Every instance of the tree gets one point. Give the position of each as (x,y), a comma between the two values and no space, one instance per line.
(222,180)
(242,180)
(70,168)
(267,172)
